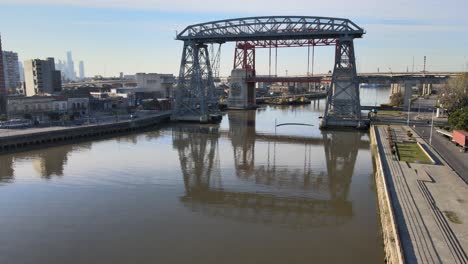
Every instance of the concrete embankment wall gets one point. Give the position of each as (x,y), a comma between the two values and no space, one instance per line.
(391,240)
(16,142)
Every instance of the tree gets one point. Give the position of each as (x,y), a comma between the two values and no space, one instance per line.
(396,99)
(454,95)
(54,116)
(459,119)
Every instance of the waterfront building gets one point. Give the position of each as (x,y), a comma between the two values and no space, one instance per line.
(11,71)
(44,108)
(279,88)
(160,84)
(41,77)
(113,99)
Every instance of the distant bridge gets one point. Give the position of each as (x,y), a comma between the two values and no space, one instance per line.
(373,77)
(396,77)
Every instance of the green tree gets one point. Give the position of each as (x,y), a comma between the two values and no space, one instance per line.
(151,104)
(459,119)
(454,95)
(54,116)
(396,99)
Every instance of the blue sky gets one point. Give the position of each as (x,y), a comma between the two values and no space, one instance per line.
(114,36)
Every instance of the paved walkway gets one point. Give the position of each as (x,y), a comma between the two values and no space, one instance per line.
(28,131)
(430,204)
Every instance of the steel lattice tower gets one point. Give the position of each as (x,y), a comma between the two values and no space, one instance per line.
(343,103)
(195,95)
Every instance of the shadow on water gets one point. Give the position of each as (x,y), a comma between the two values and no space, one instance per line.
(326,202)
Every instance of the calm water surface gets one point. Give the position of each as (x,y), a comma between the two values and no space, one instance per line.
(374,96)
(231,193)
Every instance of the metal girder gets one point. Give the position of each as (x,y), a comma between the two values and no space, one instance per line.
(244,57)
(271,28)
(289,43)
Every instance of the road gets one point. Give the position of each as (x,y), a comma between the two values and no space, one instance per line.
(451,153)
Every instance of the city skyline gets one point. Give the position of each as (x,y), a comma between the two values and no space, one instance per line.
(116,37)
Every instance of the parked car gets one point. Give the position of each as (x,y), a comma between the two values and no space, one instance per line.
(16,124)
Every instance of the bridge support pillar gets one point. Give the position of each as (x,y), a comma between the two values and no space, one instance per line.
(426,89)
(195,98)
(407,94)
(242,93)
(343,107)
(395,88)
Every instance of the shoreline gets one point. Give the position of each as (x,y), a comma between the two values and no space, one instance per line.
(391,239)
(421,204)
(46,137)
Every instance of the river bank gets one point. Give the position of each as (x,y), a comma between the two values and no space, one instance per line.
(422,205)
(19,139)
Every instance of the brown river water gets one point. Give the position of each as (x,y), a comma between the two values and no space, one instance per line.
(237,192)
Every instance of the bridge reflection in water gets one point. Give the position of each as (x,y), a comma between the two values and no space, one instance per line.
(270,189)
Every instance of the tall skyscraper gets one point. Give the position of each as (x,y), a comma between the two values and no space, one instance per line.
(3,90)
(41,77)
(70,66)
(21,71)
(82,72)
(11,70)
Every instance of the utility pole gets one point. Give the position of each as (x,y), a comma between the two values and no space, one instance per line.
(432,126)
(313,59)
(409,108)
(424,71)
(308,67)
(308,60)
(419,107)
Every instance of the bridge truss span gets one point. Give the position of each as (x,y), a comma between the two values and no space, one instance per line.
(270,28)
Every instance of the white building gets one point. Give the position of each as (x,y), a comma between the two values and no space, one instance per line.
(40,108)
(161,84)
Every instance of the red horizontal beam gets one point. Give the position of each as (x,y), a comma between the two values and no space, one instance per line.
(290,79)
(285,43)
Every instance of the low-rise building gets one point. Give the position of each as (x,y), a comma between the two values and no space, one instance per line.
(115,99)
(78,106)
(45,108)
(161,84)
(279,88)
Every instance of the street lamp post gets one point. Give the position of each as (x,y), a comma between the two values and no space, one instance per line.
(432,126)
(409,108)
